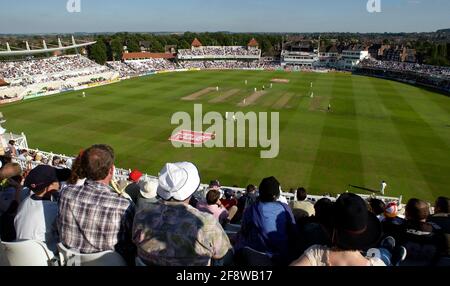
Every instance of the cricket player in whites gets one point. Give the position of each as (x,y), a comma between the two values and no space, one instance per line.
(84,94)
(228,117)
(383,188)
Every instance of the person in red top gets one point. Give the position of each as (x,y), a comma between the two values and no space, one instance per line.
(133,189)
(229,199)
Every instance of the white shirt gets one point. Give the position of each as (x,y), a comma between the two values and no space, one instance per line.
(80,182)
(36,220)
(21,157)
(283,199)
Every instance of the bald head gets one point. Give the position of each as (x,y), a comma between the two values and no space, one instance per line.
(417,210)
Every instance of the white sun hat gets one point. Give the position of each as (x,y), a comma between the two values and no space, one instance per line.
(148,188)
(178,181)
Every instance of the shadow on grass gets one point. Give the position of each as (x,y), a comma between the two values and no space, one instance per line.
(364,189)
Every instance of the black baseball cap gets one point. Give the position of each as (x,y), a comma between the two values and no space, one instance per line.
(40,178)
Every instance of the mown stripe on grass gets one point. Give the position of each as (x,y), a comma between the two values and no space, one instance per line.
(385,156)
(335,168)
(408,123)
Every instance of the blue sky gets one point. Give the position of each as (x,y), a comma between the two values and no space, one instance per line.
(51,16)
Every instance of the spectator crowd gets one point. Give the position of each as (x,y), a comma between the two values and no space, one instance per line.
(221,65)
(432,76)
(218,51)
(122,68)
(62,68)
(149,65)
(140,67)
(168,222)
(423,69)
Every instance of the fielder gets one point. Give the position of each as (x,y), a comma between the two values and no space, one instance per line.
(383,187)
(84,94)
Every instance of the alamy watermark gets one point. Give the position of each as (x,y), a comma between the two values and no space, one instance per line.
(73,6)
(228,130)
(374,6)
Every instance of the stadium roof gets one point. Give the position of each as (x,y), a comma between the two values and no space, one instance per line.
(28,52)
(145,55)
(253,43)
(196,43)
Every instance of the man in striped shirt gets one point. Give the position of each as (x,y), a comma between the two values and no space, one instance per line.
(92,217)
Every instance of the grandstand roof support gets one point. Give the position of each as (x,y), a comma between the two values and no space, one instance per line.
(74,44)
(28,51)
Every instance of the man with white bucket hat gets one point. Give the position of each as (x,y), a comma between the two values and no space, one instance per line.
(173,233)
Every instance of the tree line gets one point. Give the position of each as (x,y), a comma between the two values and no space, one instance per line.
(430,50)
(110,47)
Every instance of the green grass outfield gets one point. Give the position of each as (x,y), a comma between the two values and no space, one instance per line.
(378,130)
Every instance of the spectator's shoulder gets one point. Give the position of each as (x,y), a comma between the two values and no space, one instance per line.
(375,261)
(208,221)
(316,253)
(126,203)
(69,192)
(202,215)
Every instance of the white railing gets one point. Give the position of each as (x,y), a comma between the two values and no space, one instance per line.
(123,174)
(21,140)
